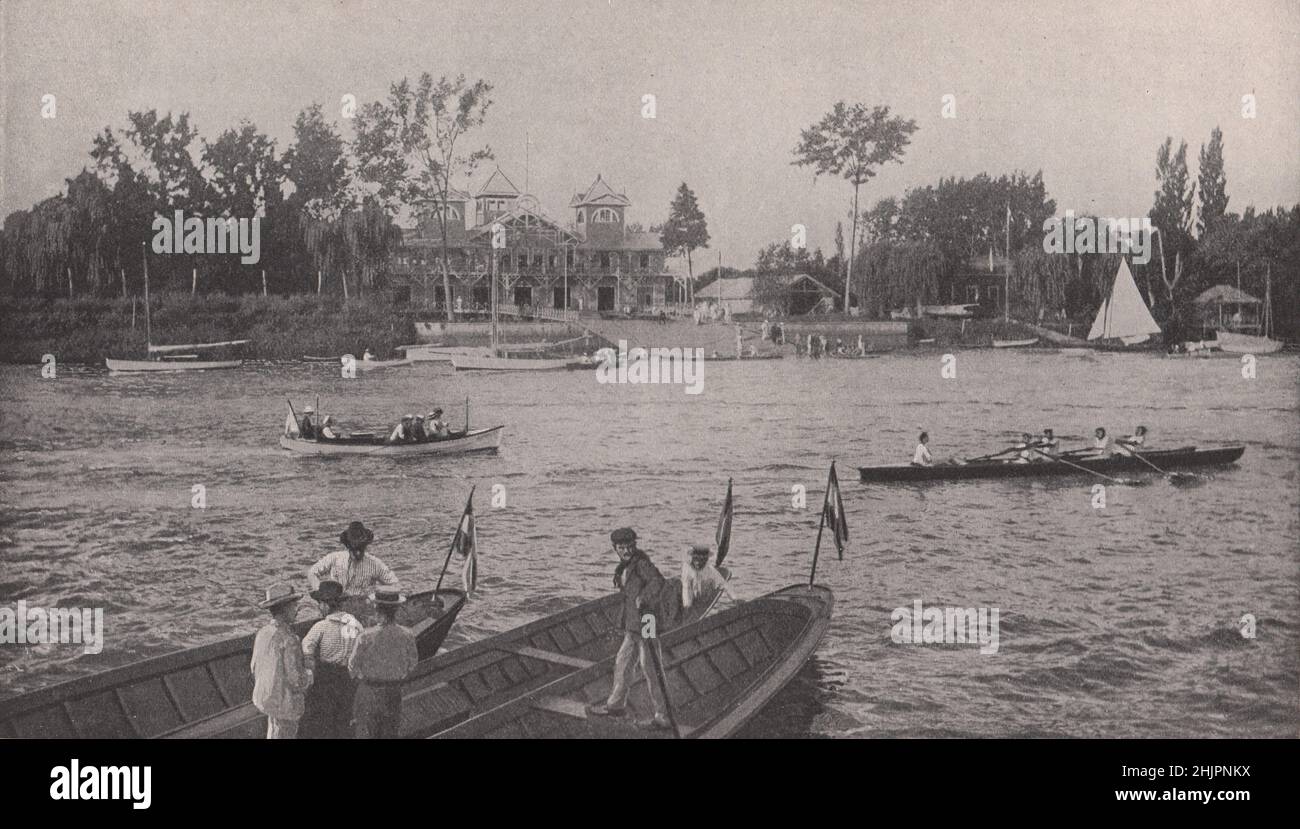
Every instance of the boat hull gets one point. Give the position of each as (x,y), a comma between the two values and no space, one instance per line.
(1234,343)
(181,693)
(476,440)
(143,366)
(1014,343)
(1168,459)
(376,365)
(470,362)
(720,672)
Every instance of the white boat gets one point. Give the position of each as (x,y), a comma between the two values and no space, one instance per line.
(374,365)
(441,354)
(1123,315)
(1235,343)
(168,358)
(458,443)
(1014,343)
(468,362)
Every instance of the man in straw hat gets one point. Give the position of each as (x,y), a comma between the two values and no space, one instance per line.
(382,659)
(327,648)
(280,677)
(354,568)
(640,582)
(308,427)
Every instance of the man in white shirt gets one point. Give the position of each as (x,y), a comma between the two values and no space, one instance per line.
(354,568)
(327,428)
(326,649)
(1048,443)
(921,457)
(700,579)
(1100,443)
(1131,443)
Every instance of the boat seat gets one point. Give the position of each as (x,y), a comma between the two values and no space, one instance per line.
(548,656)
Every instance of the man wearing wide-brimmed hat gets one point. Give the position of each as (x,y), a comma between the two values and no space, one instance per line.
(354,568)
(327,648)
(280,676)
(382,659)
(641,583)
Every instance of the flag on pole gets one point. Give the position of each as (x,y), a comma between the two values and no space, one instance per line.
(833,507)
(724,528)
(465,544)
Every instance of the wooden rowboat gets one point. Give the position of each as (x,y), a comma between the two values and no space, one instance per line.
(1015,343)
(140,366)
(1184,457)
(188,690)
(457,443)
(465,682)
(471,362)
(720,672)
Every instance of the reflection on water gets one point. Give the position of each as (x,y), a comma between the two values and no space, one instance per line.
(1114,622)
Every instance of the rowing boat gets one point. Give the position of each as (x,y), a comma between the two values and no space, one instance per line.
(456,443)
(185,691)
(1181,458)
(140,366)
(719,673)
(374,365)
(470,680)
(1015,343)
(471,362)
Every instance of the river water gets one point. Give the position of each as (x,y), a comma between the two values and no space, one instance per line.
(1115,621)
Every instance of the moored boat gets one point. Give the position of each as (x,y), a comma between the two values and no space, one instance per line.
(140,366)
(456,443)
(1015,343)
(187,690)
(719,673)
(374,365)
(469,362)
(1180,458)
(1236,343)
(1123,319)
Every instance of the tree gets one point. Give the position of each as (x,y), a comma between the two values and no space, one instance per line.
(1213,184)
(685,231)
(852,142)
(1172,211)
(408,146)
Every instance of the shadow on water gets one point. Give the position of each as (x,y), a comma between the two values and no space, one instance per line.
(795,710)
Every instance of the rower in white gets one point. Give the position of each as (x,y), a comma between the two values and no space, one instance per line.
(1129,444)
(921,457)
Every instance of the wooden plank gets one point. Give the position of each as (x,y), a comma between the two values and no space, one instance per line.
(549,656)
(562,705)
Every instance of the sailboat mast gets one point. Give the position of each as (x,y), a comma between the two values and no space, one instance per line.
(492,267)
(148,332)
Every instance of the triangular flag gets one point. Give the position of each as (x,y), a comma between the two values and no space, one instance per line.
(466,544)
(723,537)
(834,509)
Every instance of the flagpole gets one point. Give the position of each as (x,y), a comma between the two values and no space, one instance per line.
(452,547)
(820,526)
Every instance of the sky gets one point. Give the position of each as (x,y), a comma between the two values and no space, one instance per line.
(1084,91)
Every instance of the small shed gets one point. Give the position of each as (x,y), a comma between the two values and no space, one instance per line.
(1228,308)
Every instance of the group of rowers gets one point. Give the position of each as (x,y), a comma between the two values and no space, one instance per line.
(411,428)
(1045,448)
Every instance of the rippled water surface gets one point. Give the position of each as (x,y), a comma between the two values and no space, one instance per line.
(1113,622)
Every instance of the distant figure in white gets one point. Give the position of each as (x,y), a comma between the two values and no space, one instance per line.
(700,578)
(921,457)
(1129,444)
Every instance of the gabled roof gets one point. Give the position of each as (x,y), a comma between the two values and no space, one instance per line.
(497,185)
(599,193)
(742,287)
(522,215)
(1226,295)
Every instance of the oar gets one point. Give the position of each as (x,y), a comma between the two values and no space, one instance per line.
(1125,481)
(1172,476)
(989,457)
(653,647)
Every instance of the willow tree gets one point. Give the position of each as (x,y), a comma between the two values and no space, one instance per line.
(853,142)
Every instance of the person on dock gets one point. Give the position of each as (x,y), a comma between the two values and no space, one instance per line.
(1129,444)
(354,568)
(435,425)
(640,583)
(326,649)
(382,659)
(1048,444)
(922,457)
(308,426)
(701,579)
(280,675)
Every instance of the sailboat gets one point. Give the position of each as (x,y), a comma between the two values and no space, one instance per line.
(169,357)
(1123,315)
(1236,343)
(497,358)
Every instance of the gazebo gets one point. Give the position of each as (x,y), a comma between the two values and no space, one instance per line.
(1224,307)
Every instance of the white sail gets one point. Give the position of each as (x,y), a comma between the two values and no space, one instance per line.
(1123,314)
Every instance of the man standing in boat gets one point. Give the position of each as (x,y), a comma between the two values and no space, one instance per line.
(640,582)
(383,658)
(326,649)
(280,675)
(354,568)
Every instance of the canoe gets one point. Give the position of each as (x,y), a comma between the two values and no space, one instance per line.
(1014,343)
(177,692)
(139,366)
(470,362)
(458,443)
(472,679)
(1181,458)
(720,672)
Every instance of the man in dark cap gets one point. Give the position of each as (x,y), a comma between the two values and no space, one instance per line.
(640,582)
(326,648)
(382,659)
(354,568)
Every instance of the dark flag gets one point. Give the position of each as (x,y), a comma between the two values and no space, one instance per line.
(834,511)
(465,544)
(724,528)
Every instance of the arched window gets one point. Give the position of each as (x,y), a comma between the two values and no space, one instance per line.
(581,216)
(453,212)
(605,215)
